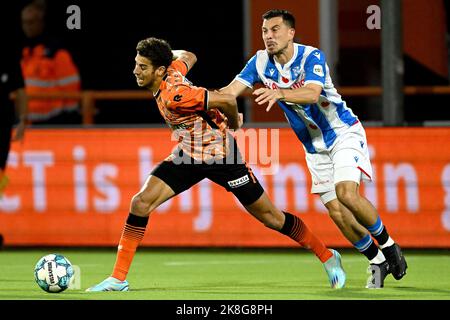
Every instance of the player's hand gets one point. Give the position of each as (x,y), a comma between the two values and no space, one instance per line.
(266,95)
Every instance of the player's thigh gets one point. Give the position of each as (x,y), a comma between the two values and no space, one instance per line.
(178,176)
(351,159)
(350,168)
(320,166)
(238,179)
(153,193)
(167,180)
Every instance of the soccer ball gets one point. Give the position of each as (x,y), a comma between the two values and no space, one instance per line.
(53,273)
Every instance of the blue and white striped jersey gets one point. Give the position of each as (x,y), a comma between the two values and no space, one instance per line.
(316,125)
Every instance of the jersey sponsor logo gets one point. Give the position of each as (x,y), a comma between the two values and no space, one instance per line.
(313,126)
(356,158)
(285,80)
(272,85)
(271,71)
(298,84)
(177,98)
(318,70)
(239,182)
(316,183)
(324,104)
(361,143)
(317,55)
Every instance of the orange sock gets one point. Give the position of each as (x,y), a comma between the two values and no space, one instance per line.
(297,230)
(132,235)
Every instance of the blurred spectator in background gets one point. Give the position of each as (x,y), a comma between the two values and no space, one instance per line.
(11,83)
(47,67)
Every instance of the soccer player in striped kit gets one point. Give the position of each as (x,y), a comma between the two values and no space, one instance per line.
(297,78)
(206,149)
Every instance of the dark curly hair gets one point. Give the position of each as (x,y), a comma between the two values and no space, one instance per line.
(158,51)
(288,18)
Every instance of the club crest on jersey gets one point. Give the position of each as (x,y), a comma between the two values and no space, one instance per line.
(296,71)
(318,70)
(239,182)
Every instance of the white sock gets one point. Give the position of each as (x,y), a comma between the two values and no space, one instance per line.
(388,243)
(379,258)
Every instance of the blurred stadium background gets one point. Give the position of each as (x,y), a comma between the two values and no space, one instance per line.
(71,185)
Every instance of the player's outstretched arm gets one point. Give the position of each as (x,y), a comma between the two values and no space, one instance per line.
(235,88)
(308,94)
(227,104)
(187,57)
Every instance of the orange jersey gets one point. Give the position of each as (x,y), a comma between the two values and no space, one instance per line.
(201,133)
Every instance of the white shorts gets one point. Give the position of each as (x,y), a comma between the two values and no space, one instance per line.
(348,160)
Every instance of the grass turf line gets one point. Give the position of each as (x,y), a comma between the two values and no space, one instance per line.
(227,275)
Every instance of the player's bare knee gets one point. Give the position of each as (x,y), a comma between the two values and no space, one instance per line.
(272,224)
(273,220)
(336,215)
(334,211)
(347,197)
(140,206)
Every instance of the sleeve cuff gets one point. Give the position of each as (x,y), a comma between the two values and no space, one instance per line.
(186,64)
(244,82)
(319,83)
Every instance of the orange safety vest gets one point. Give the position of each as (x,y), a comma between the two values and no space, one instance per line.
(43,72)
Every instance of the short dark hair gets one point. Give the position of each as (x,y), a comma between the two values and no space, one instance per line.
(288,17)
(158,51)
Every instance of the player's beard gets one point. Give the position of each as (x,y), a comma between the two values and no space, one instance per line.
(150,84)
(279,52)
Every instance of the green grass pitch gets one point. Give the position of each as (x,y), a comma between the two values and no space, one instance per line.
(158,274)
